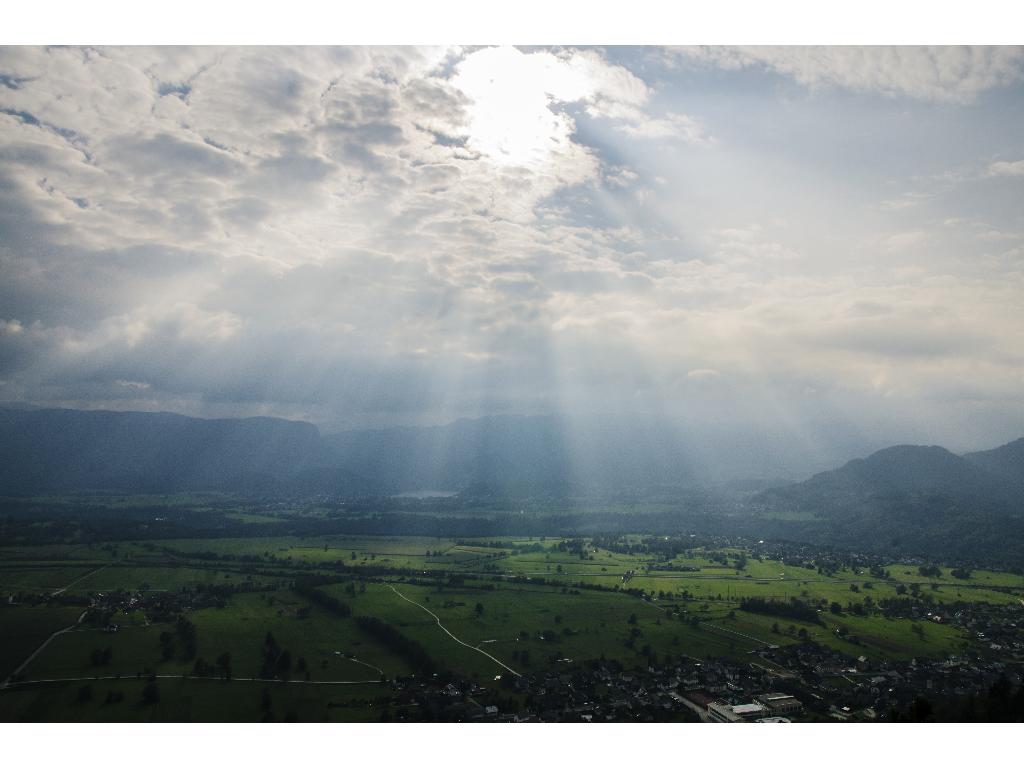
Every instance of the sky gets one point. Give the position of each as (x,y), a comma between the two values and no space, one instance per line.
(774,238)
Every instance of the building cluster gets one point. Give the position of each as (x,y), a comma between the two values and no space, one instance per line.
(792,683)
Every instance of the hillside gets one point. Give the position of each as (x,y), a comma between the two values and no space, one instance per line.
(54,450)
(902,472)
(917,499)
(1007,461)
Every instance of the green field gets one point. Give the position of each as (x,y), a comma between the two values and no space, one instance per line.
(513,604)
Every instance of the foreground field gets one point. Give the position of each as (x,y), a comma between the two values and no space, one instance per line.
(477,610)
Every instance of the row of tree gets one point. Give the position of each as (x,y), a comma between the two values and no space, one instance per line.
(388,636)
(794,608)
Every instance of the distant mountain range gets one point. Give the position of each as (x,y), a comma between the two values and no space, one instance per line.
(57,450)
(906,498)
(46,451)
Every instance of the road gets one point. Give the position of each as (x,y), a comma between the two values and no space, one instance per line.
(81,578)
(365,664)
(716,628)
(39,650)
(453,637)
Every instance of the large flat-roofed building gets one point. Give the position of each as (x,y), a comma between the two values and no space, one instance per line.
(780,703)
(720,712)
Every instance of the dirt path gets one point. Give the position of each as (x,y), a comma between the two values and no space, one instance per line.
(39,650)
(453,637)
(717,628)
(80,578)
(365,664)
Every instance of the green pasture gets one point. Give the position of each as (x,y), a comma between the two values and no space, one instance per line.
(192,700)
(23,628)
(325,641)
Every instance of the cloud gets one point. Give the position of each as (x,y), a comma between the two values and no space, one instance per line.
(703,373)
(672,126)
(1007,168)
(372,235)
(942,74)
(904,241)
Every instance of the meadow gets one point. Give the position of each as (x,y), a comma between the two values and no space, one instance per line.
(480,610)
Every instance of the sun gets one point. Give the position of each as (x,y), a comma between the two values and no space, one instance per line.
(510,118)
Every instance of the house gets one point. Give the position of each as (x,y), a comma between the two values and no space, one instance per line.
(780,703)
(720,712)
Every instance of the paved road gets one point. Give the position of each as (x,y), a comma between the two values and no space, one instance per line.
(453,637)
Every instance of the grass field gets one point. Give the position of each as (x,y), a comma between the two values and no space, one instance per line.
(238,629)
(191,701)
(534,615)
(24,628)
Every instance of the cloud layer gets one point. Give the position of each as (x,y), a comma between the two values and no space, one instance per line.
(370,236)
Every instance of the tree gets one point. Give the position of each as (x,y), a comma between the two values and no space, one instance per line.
(186,632)
(224,664)
(631,619)
(920,710)
(151,692)
(836,608)
(166,645)
(479,609)
(284,663)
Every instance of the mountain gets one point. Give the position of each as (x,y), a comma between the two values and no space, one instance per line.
(918,499)
(1007,461)
(57,450)
(555,455)
(517,456)
(900,472)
